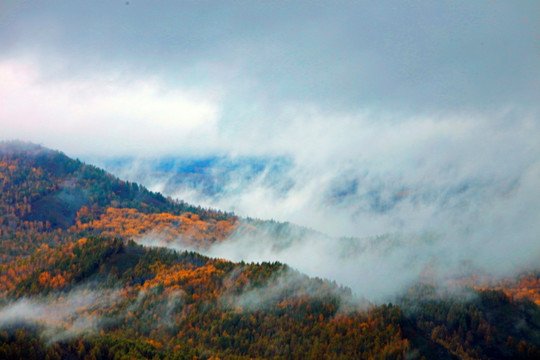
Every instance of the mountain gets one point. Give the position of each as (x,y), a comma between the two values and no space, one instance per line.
(43,192)
(75,284)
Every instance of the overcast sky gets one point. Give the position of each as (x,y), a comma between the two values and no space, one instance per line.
(422,96)
(117,77)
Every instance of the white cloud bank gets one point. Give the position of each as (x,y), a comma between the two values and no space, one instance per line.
(101,115)
(458,196)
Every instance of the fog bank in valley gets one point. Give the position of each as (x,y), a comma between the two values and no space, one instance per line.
(412,127)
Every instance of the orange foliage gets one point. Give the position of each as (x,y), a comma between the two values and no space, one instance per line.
(58,281)
(187,228)
(527,286)
(179,276)
(154,343)
(44,278)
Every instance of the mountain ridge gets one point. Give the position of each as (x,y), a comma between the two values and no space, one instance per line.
(45,190)
(75,285)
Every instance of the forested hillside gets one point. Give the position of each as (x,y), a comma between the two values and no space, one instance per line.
(74,285)
(46,197)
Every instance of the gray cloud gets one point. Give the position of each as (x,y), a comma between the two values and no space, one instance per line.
(107,73)
(342,56)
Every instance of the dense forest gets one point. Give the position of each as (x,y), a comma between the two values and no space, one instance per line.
(75,285)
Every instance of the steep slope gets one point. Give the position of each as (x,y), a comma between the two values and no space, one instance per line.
(48,198)
(43,192)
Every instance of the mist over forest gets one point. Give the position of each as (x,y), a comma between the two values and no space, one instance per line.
(380,227)
(286,180)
